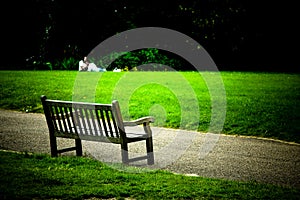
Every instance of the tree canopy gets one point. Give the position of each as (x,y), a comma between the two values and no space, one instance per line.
(239,35)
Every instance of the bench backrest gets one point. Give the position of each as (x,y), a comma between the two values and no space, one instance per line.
(88,121)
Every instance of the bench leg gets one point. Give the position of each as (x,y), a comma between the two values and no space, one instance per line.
(124,149)
(150,155)
(78,147)
(149,144)
(53,146)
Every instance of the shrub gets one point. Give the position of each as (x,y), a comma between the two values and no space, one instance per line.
(131,60)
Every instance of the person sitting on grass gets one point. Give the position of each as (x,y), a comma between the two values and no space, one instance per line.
(85,65)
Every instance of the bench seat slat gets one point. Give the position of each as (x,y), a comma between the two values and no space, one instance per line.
(66,135)
(94,133)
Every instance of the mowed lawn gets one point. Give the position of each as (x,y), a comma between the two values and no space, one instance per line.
(252,103)
(38,176)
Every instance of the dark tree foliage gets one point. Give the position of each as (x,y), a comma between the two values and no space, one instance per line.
(239,35)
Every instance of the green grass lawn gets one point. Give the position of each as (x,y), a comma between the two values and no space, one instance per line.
(38,176)
(257,104)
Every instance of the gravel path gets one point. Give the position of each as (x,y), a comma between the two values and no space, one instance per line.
(207,155)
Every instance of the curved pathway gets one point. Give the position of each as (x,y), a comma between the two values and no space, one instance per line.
(187,152)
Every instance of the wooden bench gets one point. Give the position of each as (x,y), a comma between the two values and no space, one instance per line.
(94,122)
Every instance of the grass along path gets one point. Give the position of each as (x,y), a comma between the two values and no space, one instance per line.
(38,176)
(258,104)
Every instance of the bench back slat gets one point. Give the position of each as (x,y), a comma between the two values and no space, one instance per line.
(78,119)
(94,122)
(63,118)
(115,127)
(69,120)
(51,112)
(103,122)
(100,133)
(58,122)
(82,122)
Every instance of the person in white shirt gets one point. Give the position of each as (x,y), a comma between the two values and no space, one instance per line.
(85,65)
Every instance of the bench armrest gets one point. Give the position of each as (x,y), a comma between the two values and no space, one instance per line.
(139,121)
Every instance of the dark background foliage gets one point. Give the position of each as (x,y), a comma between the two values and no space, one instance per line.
(239,35)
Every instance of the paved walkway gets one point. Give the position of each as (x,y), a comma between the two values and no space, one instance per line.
(207,155)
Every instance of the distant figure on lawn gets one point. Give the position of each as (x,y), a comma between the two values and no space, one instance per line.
(85,65)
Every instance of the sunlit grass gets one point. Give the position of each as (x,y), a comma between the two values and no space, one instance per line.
(259,104)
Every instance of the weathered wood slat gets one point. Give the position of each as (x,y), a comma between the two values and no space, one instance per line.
(58,121)
(69,119)
(111,133)
(99,122)
(115,127)
(93,121)
(102,116)
(64,118)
